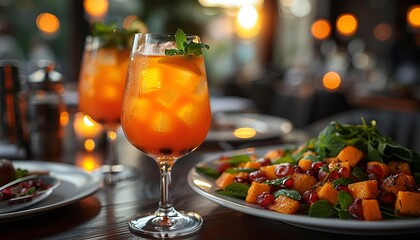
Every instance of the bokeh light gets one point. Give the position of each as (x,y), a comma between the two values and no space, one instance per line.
(89,145)
(47,23)
(247,22)
(382,31)
(331,81)
(245,132)
(413,16)
(321,29)
(96,8)
(346,24)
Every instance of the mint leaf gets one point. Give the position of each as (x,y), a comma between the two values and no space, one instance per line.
(322,208)
(184,47)
(344,199)
(180,39)
(293,194)
(236,190)
(210,172)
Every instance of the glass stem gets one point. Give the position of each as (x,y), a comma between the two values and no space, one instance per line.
(111,137)
(165,205)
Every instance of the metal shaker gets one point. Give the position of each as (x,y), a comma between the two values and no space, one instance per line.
(44,108)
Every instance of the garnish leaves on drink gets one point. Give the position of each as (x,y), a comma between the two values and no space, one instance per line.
(113,35)
(183,47)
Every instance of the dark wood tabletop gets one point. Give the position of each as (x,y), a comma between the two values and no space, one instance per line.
(104,214)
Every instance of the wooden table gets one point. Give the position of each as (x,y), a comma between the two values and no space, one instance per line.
(104,214)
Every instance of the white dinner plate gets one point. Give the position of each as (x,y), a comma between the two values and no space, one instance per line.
(76,184)
(205,186)
(226,126)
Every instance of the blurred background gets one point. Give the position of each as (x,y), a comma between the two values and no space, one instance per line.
(299,59)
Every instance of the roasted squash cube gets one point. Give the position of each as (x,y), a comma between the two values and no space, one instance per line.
(398,182)
(350,154)
(399,167)
(224,180)
(270,171)
(285,205)
(407,204)
(371,211)
(327,192)
(305,164)
(254,190)
(302,182)
(252,164)
(365,189)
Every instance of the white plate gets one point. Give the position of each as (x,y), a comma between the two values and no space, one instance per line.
(76,184)
(265,126)
(205,186)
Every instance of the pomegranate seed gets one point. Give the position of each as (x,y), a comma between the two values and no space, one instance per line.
(376,170)
(344,172)
(221,167)
(309,197)
(322,175)
(265,199)
(387,198)
(264,161)
(342,187)
(311,172)
(317,165)
(288,183)
(257,176)
(284,169)
(240,180)
(356,209)
(298,169)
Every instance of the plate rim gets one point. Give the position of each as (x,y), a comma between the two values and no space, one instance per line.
(95,183)
(347,226)
(274,131)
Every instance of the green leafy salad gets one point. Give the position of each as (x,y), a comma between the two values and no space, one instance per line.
(347,171)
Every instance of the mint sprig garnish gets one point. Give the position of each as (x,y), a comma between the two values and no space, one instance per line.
(113,35)
(183,47)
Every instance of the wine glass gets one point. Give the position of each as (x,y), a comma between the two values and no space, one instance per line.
(101,86)
(166,115)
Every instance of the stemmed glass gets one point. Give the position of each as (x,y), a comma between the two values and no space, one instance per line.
(101,86)
(166,115)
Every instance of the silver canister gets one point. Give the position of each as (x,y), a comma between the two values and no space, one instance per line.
(44,108)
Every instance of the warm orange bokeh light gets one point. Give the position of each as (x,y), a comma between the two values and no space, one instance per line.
(248,22)
(85,127)
(47,23)
(321,29)
(347,24)
(88,161)
(413,16)
(96,8)
(382,31)
(331,81)
(64,118)
(89,145)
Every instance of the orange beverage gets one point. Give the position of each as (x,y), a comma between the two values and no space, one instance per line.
(166,108)
(102,80)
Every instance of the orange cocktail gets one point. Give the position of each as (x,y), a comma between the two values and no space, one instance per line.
(166,104)
(102,80)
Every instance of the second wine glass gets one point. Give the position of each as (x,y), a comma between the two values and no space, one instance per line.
(101,86)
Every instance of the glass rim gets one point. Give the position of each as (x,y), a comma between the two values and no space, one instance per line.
(168,35)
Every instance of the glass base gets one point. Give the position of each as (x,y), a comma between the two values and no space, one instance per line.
(116,173)
(178,224)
